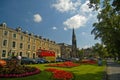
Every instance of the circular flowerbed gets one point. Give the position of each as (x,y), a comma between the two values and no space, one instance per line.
(13,69)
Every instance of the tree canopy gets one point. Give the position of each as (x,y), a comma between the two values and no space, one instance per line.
(108,26)
(97,3)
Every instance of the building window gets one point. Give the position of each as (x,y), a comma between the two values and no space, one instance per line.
(34,40)
(5,33)
(21,45)
(28,55)
(3,53)
(14,35)
(13,44)
(34,56)
(20,53)
(5,43)
(28,46)
(29,39)
(8,54)
(33,47)
(21,37)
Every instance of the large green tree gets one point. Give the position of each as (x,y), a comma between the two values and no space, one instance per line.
(108,26)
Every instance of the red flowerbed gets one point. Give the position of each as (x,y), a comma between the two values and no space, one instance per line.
(64,64)
(36,71)
(60,74)
(88,62)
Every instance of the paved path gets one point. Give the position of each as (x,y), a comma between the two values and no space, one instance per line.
(113,70)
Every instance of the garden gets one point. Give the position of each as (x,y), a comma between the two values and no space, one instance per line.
(84,70)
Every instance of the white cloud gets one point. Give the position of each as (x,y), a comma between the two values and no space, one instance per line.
(85,8)
(82,13)
(37,18)
(86,46)
(76,21)
(83,33)
(54,28)
(66,5)
(65,28)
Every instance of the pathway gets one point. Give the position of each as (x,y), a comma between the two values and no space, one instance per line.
(113,70)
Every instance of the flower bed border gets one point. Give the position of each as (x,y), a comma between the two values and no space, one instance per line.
(67,64)
(89,62)
(37,71)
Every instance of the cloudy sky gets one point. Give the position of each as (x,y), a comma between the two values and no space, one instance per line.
(53,19)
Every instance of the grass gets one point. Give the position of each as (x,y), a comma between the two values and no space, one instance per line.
(82,72)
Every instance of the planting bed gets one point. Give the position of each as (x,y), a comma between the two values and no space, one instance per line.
(60,74)
(13,69)
(67,64)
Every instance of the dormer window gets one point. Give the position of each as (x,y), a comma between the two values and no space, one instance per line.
(4,24)
(19,29)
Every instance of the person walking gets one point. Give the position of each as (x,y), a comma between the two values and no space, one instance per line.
(19,60)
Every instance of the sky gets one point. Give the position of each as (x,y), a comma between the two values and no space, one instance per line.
(51,19)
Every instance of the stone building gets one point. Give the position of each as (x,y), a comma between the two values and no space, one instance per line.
(65,50)
(69,51)
(88,52)
(14,42)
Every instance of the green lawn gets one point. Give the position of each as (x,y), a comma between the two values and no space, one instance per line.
(82,72)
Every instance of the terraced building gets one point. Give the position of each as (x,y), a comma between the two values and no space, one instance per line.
(14,42)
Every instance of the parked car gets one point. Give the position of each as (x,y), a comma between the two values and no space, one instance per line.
(59,60)
(6,59)
(41,60)
(66,59)
(75,59)
(26,60)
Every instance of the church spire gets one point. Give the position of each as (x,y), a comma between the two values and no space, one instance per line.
(74,46)
(73,36)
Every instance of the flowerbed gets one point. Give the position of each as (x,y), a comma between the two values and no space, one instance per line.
(14,69)
(64,64)
(60,74)
(89,62)
(36,71)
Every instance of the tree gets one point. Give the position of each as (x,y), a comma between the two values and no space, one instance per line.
(80,54)
(100,50)
(96,4)
(108,26)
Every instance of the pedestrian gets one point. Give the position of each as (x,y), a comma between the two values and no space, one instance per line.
(99,62)
(19,60)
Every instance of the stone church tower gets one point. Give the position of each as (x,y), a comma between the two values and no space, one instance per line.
(74,45)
